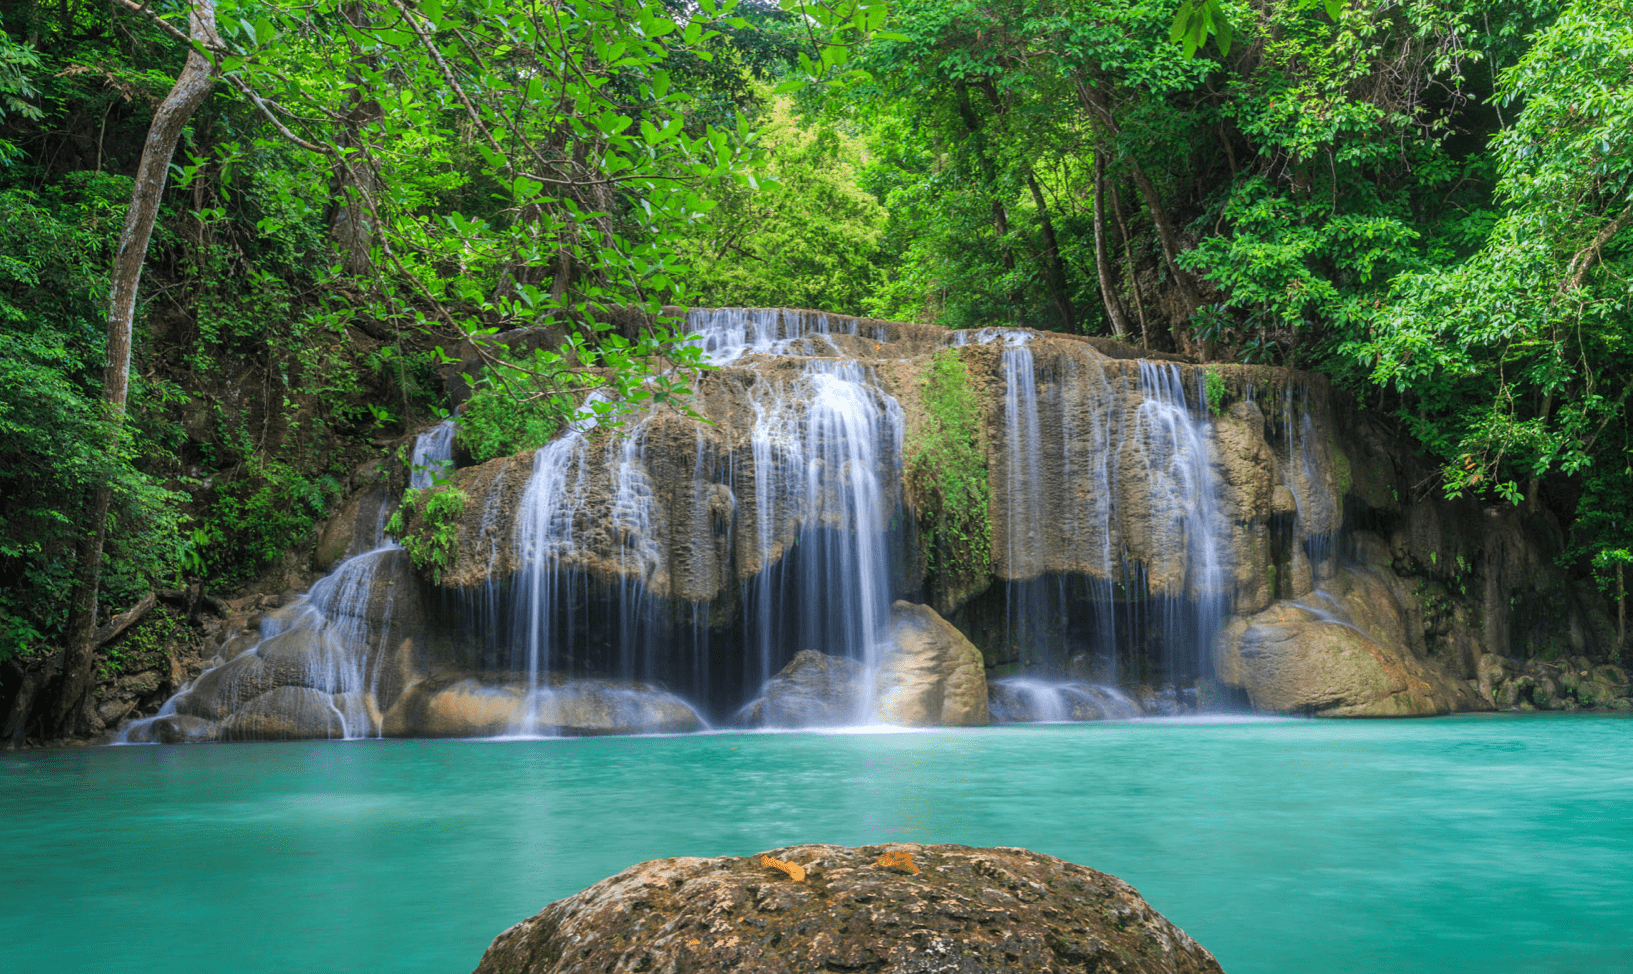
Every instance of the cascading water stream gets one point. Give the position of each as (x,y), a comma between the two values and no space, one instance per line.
(544,535)
(334,624)
(433,455)
(1178,463)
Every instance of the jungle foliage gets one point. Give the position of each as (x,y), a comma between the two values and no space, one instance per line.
(1428,201)
(372,188)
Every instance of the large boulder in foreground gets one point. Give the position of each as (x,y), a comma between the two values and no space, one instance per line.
(966,911)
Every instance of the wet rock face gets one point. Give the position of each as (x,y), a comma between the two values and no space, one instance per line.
(1576,683)
(931,676)
(1027,701)
(967,911)
(465,707)
(813,690)
(1344,652)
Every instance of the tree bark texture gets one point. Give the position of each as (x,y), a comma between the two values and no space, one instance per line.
(353,226)
(1093,100)
(1054,265)
(1102,260)
(196,81)
(1133,268)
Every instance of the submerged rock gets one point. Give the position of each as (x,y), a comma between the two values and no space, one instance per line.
(464,707)
(965,910)
(1020,700)
(181,729)
(813,690)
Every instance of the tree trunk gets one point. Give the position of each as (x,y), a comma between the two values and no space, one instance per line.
(989,172)
(1133,269)
(1622,613)
(352,228)
(1167,235)
(1102,260)
(1093,100)
(191,88)
(1055,266)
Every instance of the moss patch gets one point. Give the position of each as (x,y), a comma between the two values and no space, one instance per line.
(427,526)
(945,479)
(1340,466)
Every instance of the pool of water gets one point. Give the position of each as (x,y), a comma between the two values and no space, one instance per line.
(1478,844)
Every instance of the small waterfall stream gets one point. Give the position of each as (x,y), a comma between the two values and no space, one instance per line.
(318,653)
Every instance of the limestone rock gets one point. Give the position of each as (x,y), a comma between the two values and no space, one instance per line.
(1345,657)
(1569,684)
(182,729)
(969,911)
(1019,700)
(354,528)
(596,707)
(813,690)
(302,657)
(455,708)
(285,714)
(465,707)
(220,691)
(930,676)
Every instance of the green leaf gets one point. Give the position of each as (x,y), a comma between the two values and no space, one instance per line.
(1182,23)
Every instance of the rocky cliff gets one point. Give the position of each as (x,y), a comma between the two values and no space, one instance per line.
(1241,536)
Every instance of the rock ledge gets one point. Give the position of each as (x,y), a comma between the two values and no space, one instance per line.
(969,911)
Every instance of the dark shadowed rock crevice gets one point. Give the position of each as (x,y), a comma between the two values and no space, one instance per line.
(964,911)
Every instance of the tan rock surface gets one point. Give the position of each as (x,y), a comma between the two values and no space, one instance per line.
(930,675)
(966,911)
(1347,657)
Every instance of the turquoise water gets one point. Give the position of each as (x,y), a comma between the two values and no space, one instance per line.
(1482,844)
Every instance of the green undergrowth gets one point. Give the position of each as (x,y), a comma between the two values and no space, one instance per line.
(427,526)
(945,478)
(146,645)
(497,423)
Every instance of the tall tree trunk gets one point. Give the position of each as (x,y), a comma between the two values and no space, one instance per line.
(352,228)
(1102,260)
(191,88)
(1133,268)
(1167,235)
(1055,266)
(989,172)
(1094,102)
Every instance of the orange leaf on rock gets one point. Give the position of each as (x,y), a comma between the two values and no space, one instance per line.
(795,871)
(902,860)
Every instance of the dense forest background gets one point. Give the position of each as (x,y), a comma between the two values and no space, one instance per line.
(1428,201)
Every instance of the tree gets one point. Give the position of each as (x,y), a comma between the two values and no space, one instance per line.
(567,115)
(191,88)
(1514,362)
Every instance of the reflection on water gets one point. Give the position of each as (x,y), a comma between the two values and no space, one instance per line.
(1434,846)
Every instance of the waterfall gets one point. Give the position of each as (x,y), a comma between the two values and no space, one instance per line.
(636,574)
(544,538)
(1179,471)
(319,652)
(433,455)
